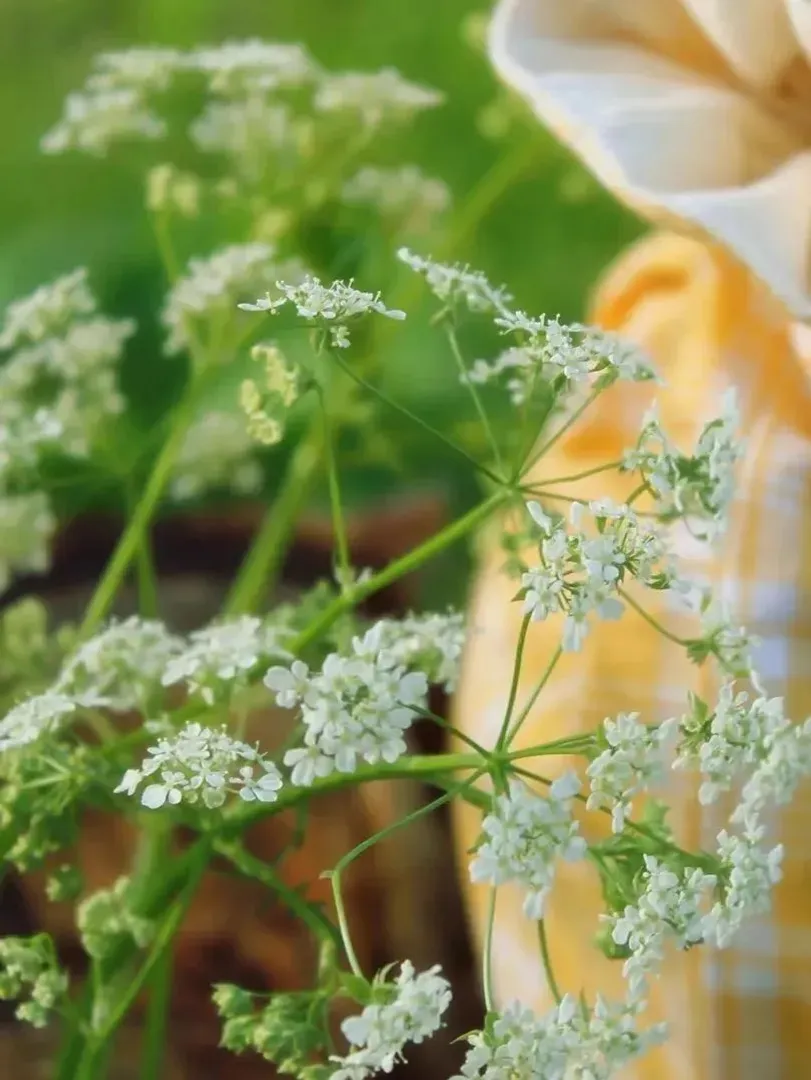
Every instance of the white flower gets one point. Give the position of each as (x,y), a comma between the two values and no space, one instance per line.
(358,707)
(404,192)
(668,909)
(218,452)
(453,284)
(201,764)
(26,527)
(374,96)
(785,761)
(409,1010)
(736,734)
(516,364)
(27,721)
(218,657)
(731,644)
(335,303)
(632,762)
(47,310)
(92,121)
(431,643)
(525,835)
(213,284)
(700,486)
(750,872)
(235,67)
(135,69)
(119,668)
(568,1043)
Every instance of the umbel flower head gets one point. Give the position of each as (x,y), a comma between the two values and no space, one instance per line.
(407,1010)
(202,764)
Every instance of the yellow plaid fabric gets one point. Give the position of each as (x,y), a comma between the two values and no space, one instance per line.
(743,1013)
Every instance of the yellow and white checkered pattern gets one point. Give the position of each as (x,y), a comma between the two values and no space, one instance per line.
(743,1013)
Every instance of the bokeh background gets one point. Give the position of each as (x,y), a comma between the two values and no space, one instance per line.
(547,229)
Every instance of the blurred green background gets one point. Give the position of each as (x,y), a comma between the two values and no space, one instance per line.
(547,235)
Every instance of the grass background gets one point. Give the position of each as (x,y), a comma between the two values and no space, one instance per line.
(548,236)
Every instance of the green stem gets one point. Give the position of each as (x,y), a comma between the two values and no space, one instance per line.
(133,536)
(429,767)
(575,416)
(343,923)
(397,407)
(263,562)
(683,642)
(487,955)
(398,569)
(475,395)
(516,677)
(578,476)
(338,521)
(573,744)
(536,693)
(251,867)
(157,1017)
(547,962)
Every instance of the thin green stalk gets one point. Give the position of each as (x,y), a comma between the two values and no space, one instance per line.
(338,521)
(262,564)
(398,569)
(453,341)
(551,981)
(516,676)
(533,697)
(626,596)
(573,744)
(132,537)
(397,407)
(153,1048)
(575,416)
(343,923)
(440,721)
(580,475)
(429,767)
(487,954)
(251,867)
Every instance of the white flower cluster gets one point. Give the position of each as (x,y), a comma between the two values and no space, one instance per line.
(201,764)
(27,525)
(212,286)
(374,96)
(217,659)
(569,1042)
(357,707)
(27,721)
(334,305)
(431,642)
(457,284)
(235,67)
(405,193)
(246,131)
(119,668)
(700,486)
(525,835)
(409,1010)
(729,643)
(669,908)
(580,572)
(218,453)
(749,873)
(575,351)
(632,762)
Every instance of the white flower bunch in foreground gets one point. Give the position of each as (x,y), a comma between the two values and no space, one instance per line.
(334,306)
(580,572)
(570,1041)
(202,764)
(356,708)
(431,642)
(407,1010)
(525,834)
(633,761)
(699,486)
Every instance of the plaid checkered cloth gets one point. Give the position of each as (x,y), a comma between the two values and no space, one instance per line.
(743,1013)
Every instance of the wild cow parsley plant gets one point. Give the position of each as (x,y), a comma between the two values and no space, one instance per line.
(194,737)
